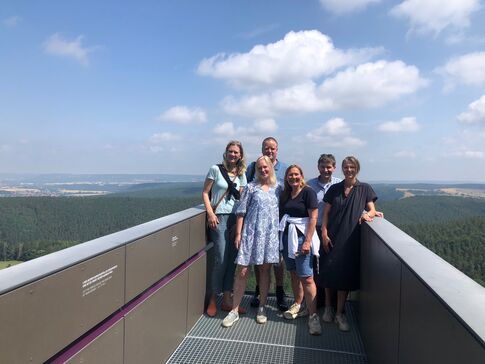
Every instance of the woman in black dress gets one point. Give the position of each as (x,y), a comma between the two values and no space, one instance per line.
(348,203)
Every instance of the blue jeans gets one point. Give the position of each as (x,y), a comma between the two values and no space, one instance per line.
(303,263)
(224,254)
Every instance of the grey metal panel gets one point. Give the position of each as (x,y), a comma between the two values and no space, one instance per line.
(151,258)
(379,300)
(35,269)
(106,349)
(463,296)
(155,328)
(196,291)
(197,234)
(429,332)
(45,316)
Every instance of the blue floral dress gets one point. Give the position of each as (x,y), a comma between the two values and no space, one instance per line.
(259,238)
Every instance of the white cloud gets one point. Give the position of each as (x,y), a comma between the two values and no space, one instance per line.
(298,57)
(183,115)
(334,133)
(255,131)
(372,84)
(59,46)
(11,22)
(405,125)
(346,6)
(405,154)
(433,16)
(225,129)
(468,69)
(475,113)
(366,86)
(164,137)
(469,154)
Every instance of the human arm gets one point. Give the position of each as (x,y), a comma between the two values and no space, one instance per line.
(237,236)
(312,223)
(212,219)
(326,242)
(369,213)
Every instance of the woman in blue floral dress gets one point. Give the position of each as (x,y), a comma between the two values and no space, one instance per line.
(256,236)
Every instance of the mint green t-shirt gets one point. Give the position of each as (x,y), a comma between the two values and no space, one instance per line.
(219,187)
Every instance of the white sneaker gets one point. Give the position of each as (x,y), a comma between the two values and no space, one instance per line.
(341,322)
(261,316)
(296,310)
(314,327)
(328,314)
(292,312)
(230,319)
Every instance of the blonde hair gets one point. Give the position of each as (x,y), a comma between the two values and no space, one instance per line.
(272,176)
(241,163)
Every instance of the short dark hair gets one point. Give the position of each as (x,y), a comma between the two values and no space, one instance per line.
(267,139)
(327,158)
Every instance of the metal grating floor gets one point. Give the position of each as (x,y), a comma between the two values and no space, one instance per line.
(278,341)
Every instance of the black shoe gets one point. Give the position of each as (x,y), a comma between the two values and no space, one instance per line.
(280,299)
(255,301)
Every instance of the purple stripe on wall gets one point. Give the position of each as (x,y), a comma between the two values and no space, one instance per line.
(97,331)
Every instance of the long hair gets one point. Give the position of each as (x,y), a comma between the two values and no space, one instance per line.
(272,176)
(241,163)
(285,195)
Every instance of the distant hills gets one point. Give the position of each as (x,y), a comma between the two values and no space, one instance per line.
(438,216)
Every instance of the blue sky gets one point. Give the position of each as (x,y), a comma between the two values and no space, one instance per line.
(161,86)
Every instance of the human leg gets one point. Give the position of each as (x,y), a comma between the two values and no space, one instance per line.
(240,280)
(279,273)
(255,300)
(229,258)
(340,318)
(264,271)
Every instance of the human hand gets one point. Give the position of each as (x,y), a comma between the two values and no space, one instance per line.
(305,247)
(365,217)
(212,221)
(379,214)
(237,240)
(327,243)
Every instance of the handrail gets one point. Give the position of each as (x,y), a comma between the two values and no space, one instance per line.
(35,269)
(415,306)
(461,294)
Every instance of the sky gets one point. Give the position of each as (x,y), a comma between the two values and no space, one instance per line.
(162,86)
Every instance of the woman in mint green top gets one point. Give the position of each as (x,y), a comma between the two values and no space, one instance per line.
(220,204)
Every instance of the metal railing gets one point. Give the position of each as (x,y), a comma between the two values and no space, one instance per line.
(131,297)
(414,306)
(126,297)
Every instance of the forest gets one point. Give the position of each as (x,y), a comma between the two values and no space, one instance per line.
(452,227)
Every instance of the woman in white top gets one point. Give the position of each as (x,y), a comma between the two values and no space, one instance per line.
(219,200)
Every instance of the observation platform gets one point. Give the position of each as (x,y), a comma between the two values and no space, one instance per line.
(277,341)
(137,296)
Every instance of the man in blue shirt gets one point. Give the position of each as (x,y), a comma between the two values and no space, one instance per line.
(269,148)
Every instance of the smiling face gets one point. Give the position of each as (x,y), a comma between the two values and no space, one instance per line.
(263,169)
(350,170)
(294,178)
(326,170)
(233,154)
(270,149)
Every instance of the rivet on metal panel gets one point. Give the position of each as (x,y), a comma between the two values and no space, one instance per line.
(31,291)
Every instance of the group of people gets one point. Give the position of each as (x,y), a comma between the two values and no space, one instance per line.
(266,215)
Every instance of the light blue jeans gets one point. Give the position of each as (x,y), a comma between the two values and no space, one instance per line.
(224,254)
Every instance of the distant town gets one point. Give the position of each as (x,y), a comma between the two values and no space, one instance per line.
(81,185)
